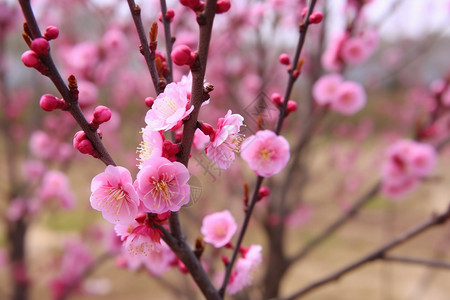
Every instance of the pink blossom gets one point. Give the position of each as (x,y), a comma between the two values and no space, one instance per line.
(227,140)
(42,145)
(266,153)
(158,262)
(324,90)
(330,58)
(33,170)
(55,184)
(200,140)
(151,145)
(169,109)
(350,98)
(88,93)
(245,266)
(114,195)
(354,51)
(162,185)
(142,241)
(407,161)
(218,228)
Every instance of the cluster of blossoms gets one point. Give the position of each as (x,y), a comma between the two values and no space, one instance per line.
(406,163)
(345,97)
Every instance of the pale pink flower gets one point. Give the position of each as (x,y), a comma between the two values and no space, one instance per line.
(350,98)
(114,195)
(158,262)
(227,140)
(42,145)
(200,140)
(218,228)
(169,109)
(245,266)
(55,184)
(324,90)
(33,170)
(139,244)
(151,145)
(266,153)
(162,185)
(88,93)
(16,209)
(330,57)
(399,188)
(354,51)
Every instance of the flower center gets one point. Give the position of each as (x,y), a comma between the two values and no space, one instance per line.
(161,191)
(265,154)
(145,151)
(116,195)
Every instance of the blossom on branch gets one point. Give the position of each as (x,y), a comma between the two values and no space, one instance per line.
(114,195)
(162,185)
(266,153)
(169,109)
(218,228)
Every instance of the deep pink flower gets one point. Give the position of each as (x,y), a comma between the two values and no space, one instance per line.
(162,185)
(218,228)
(114,195)
(227,140)
(324,90)
(266,153)
(151,145)
(169,109)
(350,98)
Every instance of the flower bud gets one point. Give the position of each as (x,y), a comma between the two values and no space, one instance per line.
(223,6)
(51,33)
(149,101)
(316,17)
(182,55)
(291,107)
(40,46)
(263,191)
(30,59)
(170,14)
(102,114)
(284,59)
(49,102)
(276,99)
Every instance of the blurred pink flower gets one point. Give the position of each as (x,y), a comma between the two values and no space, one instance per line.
(355,51)
(349,99)
(226,141)
(324,90)
(245,266)
(162,185)
(114,195)
(55,184)
(158,262)
(169,109)
(218,228)
(266,153)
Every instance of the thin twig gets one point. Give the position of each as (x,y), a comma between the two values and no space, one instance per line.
(259,180)
(377,254)
(144,48)
(418,261)
(59,83)
(169,42)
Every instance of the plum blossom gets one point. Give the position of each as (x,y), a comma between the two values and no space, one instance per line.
(407,162)
(226,141)
(169,109)
(266,153)
(158,262)
(151,145)
(114,195)
(162,185)
(218,228)
(55,184)
(324,90)
(349,99)
(245,266)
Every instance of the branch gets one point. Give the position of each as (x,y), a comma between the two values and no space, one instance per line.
(59,83)
(418,261)
(377,254)
(259,180)
(144,48)
(169,41)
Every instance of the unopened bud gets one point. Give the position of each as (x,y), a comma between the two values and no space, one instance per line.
(276,99)
(40,46)
(182,55)
(149,101)
(264,191)
(223,6)
(284,59)
(49,102)
(30,59)
(51,33)
(316,17)
(102,114)
(291,107)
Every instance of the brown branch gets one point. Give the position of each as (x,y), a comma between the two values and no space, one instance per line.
(377,254)
(169,41)
(418,261)
(144,48)
(61,86)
